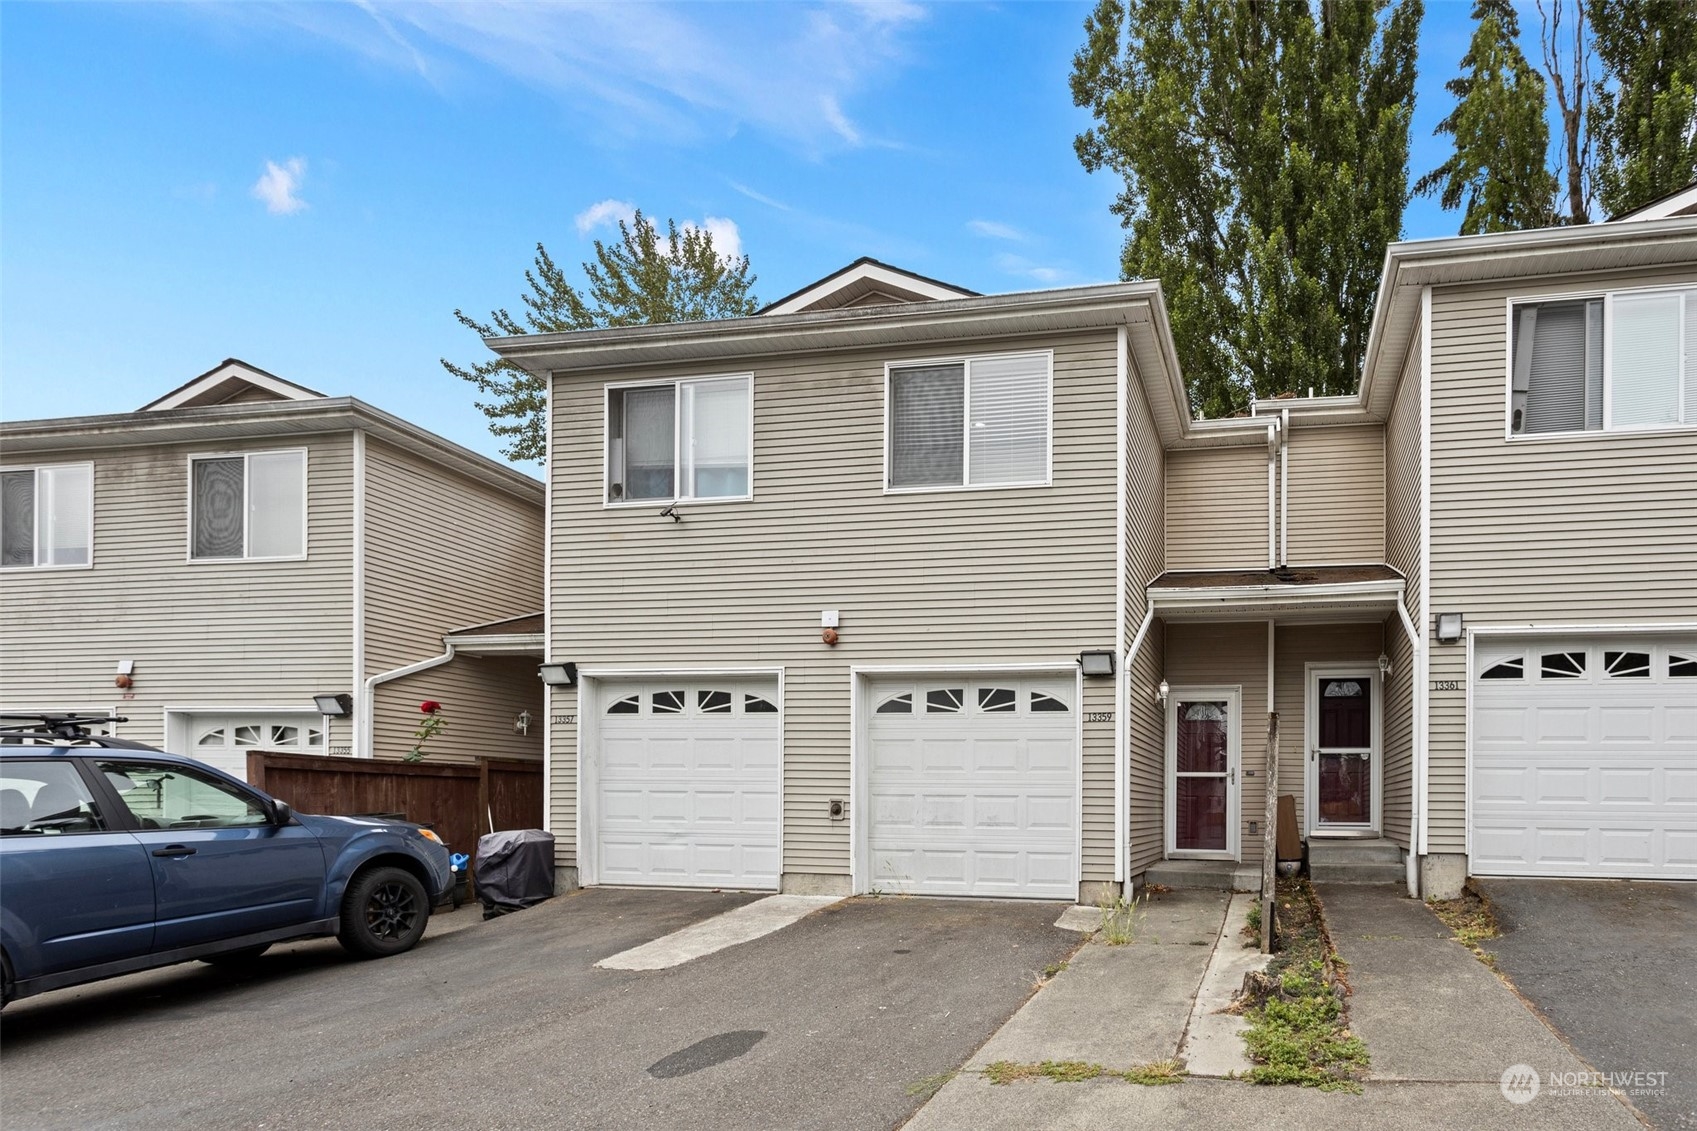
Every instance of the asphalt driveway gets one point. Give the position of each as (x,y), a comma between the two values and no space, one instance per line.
(1613,965)
(506,1024)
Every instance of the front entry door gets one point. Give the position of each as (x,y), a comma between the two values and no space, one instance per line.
(1343,751)
(1202,757)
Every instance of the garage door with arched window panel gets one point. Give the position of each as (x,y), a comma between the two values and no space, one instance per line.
(1584,757)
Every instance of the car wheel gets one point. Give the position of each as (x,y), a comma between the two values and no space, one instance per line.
(236,957)
(383,913)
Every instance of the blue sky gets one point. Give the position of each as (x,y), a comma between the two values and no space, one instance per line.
(315,188)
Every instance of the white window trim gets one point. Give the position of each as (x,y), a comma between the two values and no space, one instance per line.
(1608,429)
(35,534)
(247,527)
(965,361)
(677,438)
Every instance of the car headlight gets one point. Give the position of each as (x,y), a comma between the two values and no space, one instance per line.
(428,835)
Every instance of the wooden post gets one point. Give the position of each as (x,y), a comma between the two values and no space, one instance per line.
(1270,839)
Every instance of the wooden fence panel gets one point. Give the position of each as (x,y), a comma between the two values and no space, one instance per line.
(448,798)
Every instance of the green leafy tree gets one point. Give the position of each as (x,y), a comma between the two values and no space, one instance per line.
(1644,118)
(1264,150)
(641,279)
(1497,174)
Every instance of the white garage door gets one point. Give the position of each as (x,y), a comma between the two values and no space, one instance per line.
(974,787)
(224,740)
(1585,758)
(688,789)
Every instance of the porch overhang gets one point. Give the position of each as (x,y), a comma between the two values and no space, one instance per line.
(514,636)
(1311,593)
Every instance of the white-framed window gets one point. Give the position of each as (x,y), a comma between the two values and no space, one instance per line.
(680,441)
(47,516)
(247,505)
(1617,362)
(967,422)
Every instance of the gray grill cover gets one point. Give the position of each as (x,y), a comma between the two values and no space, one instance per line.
(515,870)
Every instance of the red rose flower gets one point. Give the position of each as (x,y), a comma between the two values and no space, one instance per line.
(430,706)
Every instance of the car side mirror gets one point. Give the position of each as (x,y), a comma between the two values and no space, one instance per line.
(281,814)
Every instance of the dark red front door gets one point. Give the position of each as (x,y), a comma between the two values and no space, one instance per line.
(1344,751)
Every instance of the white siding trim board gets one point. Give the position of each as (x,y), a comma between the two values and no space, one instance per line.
(364,705)
(1422,653)
(1122,675)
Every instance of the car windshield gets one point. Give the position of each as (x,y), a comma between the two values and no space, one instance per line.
(45,799)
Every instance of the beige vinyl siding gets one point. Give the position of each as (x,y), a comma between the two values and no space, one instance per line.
(442,552)
(1295,646)
(1336,508)
(1145,522)
(1231,655)
(480,697)
(224,634)
(1216,509)
(1580,529)
(1402,553)
(967,577)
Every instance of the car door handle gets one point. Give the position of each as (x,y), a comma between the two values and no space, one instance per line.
(174,850)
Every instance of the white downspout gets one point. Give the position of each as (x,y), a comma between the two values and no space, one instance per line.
(1272,496)
(1284,486)
(368,727)
(1418,645)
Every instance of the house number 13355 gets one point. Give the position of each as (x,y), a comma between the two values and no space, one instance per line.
(1098,716)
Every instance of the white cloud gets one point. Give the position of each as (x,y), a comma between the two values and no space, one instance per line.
(604,214)
(1019,265)
(654,71)
(727,240)
(995,230)
(279,186)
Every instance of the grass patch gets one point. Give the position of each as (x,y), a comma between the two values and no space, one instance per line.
(1054,968)
(1062,1071)
(931,1085)
(1298,1027)
(1156,1074)
(1252,923)
(1120,917)
(1471,920)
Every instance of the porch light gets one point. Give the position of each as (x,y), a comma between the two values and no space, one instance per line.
(1384,665)
(521,724)
(338,706)
(1162,690)
(1096,663)
(1449,628)
(558,675)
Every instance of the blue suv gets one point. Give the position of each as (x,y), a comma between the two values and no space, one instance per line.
(115,857)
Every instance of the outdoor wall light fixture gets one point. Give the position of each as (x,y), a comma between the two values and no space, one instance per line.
(1384,664)
(521,725)
(338,706)
(1161,691)
(558,675)
(1449,628)
(1096,663)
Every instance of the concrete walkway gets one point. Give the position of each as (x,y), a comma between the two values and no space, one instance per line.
(735,927)
(1440,1027)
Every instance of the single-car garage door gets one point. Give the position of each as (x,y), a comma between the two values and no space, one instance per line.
(688,783)
(973,787)
(224,740)
(1585,758)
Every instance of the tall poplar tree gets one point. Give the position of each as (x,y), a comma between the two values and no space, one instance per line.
(1498,173)
(1264,150)
(643,278)
(1644,117)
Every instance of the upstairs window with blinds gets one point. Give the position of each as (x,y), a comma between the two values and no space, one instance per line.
(47,516)
(679,441)
(978,422)
(1619,362)
(251,505)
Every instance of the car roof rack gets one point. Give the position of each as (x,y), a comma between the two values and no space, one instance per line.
(59,730)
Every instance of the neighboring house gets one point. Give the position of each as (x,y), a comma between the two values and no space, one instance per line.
(242,545)
(838,582)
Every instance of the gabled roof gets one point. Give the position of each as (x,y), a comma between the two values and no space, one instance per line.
(1679,202)
(232,381)
(866,282)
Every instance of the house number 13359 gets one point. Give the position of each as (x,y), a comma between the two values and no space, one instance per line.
(1098,716)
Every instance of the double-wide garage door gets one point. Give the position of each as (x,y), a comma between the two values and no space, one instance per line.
(688,783)
(973,787)
(1585,758)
